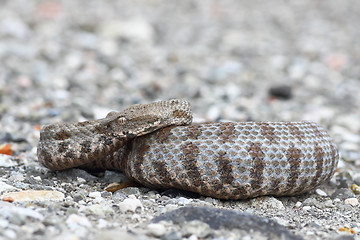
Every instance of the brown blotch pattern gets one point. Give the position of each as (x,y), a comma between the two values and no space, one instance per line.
(191,163)
(293,156)
(257,171)
(224,167)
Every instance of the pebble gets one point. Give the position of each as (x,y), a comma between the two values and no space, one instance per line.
(75,221)
(328,203)
(6,187)
(183,201)
(7,161)
(34,195)
(274,203)
(102,223)
(298,204)
(196,228)
(18,214)
(99,210)
(130,205)
(129,191)
(281,221)
(352,201)
(136,29)
(321,192)
(281,92)
(306,208)
(95,194)
(156,229)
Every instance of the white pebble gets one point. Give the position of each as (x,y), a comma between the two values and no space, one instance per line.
(298,204)
(193,237)
(274,203)
(9,234)
(321,192)
(102,223)
(95,194)
(37,178)
(329,203)
(74,221)
(281,221)
(352,201)
(80,180)
(183,201)
(306,208)
(130,205)
(156,229)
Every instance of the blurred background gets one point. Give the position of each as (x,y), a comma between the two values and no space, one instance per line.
(74,60)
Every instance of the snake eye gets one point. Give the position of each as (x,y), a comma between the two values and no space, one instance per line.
(121,120)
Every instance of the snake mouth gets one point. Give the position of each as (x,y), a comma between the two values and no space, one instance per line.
(148,130)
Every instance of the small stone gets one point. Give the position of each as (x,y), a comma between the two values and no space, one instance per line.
(18,215)
(115,234)
(306,208)
(352,201)
(80,180)
(78,195)
(136,29)
(329,203)
(4,223)
(355,188)
(281,92)
(321,192)
(281,221)
(298,204)
(7,161)
(74,221)
(174,235)
(9,234)
(273,203)
(193,237)
(95,194)
(310,202)
(183,201)
(6,187)
(102,223)
(197,228)
(106,194)
(99,210)
(34,195)
(129,191)
(130,205)
(156,229)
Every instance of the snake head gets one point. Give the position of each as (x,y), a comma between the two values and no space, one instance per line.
(140,119)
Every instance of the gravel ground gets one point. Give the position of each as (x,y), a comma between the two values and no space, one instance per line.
(75,60)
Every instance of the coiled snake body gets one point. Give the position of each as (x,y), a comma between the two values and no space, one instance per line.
(228,160)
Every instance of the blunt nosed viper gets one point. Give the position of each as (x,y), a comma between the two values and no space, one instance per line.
(157,146)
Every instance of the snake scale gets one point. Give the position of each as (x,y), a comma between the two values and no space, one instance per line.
(226,160)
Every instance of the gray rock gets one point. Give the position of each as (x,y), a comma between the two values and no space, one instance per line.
(220,218)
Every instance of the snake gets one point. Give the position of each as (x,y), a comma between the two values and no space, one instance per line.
(158,146)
